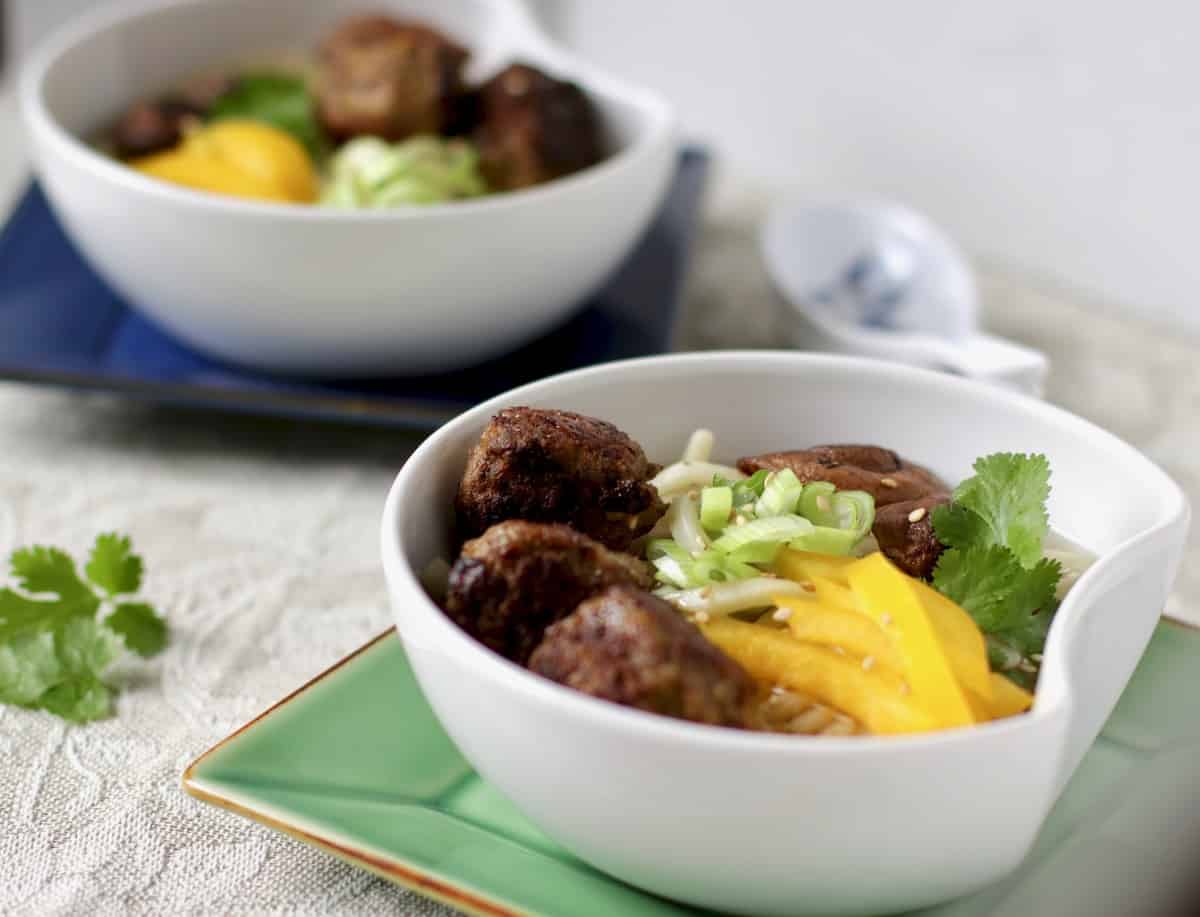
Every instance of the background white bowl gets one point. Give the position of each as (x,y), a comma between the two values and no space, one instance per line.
(301,289)
(763,824)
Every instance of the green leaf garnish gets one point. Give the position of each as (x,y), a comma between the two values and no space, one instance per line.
(281,100)
(113,566)
(1004,504)
(994,567)
(53,649)
(140,627)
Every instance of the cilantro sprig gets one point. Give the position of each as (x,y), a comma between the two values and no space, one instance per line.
(993,566)
(59,632)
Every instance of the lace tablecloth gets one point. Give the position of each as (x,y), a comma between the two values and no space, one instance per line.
(260,544)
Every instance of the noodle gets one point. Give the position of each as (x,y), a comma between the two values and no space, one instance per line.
(687,475)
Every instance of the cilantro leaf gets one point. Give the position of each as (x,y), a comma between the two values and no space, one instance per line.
(281,100)
(1005,599)
(39,570)
(53,650)
(113,566)
(1008,493)
(78,700)
(140,626)
(29,667)
(86,647)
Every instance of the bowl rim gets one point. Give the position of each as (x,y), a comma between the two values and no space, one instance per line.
(656,129)
(451,640)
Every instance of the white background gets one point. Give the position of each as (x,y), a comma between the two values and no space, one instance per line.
(1060,137)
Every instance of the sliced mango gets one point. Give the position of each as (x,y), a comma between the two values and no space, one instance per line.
(835,592)
(806,566)
(875,698)
(239,158)
(891,599)
(1008,699)
(961,638)
(834,626)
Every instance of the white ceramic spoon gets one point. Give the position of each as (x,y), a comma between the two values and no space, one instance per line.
(880,280)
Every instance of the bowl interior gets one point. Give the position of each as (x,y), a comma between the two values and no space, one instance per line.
(97,68)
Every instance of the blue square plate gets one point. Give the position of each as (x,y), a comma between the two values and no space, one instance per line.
(61,325)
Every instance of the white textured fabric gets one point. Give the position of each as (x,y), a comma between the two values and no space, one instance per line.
(260,545)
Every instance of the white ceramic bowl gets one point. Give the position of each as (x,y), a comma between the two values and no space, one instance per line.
(306,290)
(765,824)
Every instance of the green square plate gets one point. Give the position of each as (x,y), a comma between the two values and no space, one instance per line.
(355,763)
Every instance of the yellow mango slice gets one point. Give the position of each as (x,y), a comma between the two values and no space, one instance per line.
(961,638)
(834,626)
(1008,699)
(239,158)
(890,598)
(835,592)
(805,566)
(875,698)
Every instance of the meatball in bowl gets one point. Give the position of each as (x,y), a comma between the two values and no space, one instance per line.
(566,167)
(633,731)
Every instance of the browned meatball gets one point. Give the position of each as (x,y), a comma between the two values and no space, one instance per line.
(518,578)
(632,648)
(534,128)
(376,75)
(905,534)
(555,466)
(878,471)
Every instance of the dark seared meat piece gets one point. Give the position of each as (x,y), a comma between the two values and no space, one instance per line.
(151,127)
(880,472)
(555,466)
(376,75)
(910,545)
(632,648)
(518,578)
(534,128)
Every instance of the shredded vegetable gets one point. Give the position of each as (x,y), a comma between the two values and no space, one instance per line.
(371,173)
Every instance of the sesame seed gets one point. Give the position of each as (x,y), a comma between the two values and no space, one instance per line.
(739,520)
(697,554)
(885,619)
(823,503)
(778,690)
(904,688)
(917,514)
(781,614)
(702,617)
(839,651)
(693,495)
(868,663)
(706,592)
(808,587)
(889,482)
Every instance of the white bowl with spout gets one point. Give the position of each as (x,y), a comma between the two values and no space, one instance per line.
(302,289)
(772,824)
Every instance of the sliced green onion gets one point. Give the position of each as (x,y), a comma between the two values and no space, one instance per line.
(671,562)
(855,510)
(816,503)
(748,490)
(825,540)
(774,530)
(727,598)
(762,552)
(716,503)
(781,493)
